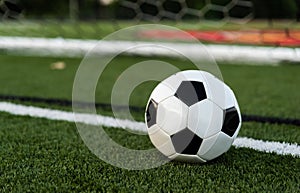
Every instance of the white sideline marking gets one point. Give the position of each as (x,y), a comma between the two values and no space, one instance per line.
(59,115)
(240,142)
(268,146)
(78,48)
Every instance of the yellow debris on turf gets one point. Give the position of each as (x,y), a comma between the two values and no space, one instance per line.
(60,65)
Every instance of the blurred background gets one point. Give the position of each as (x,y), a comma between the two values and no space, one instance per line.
(91,10)
(96,18)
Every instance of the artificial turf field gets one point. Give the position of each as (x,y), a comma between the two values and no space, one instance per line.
(41,155)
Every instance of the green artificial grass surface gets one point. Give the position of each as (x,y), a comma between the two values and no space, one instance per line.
(54,29)
(99,29)
(260,90)
(39,155)
(271,132)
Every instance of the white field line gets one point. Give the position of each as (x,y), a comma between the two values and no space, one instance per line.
(59,115)
(78,48)
(240,142)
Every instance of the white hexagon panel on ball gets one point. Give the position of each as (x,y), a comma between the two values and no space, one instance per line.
(172,115)
(161,92)
(215,146)
(205,118)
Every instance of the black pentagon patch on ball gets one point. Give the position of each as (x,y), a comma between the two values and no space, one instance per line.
(191,92)
(186,142)
(151,113)
(231,121)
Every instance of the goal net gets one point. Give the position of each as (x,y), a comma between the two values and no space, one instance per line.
(231,22)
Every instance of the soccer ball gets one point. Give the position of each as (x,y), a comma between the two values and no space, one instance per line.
(192,116)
